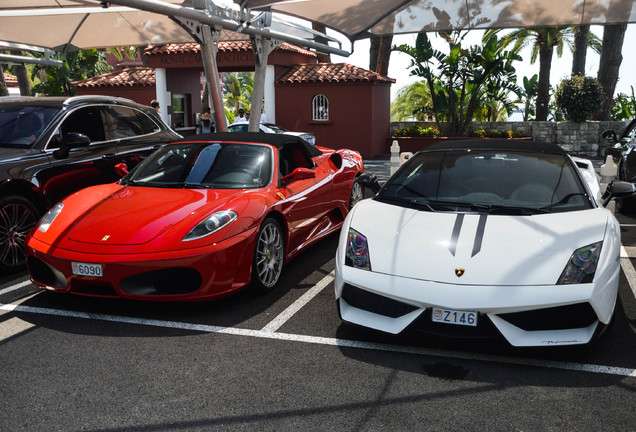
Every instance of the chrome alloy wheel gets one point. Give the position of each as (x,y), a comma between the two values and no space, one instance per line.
(17,219)
(268,258)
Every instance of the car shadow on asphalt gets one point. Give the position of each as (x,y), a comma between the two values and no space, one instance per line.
(614,348)
(244,309)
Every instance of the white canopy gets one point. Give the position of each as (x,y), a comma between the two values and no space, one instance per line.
(357,18)
(67,25)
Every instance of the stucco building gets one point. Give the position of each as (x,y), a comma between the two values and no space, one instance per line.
(343,105)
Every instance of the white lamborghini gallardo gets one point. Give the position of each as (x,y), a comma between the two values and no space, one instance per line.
(483,238)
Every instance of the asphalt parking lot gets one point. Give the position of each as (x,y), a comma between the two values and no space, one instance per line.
(284,361)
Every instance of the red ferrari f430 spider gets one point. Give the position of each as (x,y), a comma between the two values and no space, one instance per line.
(198,219)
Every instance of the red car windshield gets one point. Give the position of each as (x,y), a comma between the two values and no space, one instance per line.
(211,166)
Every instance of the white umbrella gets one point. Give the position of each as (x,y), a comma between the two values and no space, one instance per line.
(357,18)
(67,25)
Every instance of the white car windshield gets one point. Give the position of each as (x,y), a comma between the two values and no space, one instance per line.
(500,182)
(211,166)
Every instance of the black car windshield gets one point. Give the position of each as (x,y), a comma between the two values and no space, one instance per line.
(244,127)
(205,165)
(22,124)
(498,182)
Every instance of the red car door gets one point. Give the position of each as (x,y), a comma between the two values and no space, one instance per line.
(308,200)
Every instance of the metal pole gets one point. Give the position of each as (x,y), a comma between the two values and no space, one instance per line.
(7,58)
(208,56)
(262,48)
(171,10)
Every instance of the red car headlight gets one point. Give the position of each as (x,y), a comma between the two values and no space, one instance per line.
(211,224)
(49,217)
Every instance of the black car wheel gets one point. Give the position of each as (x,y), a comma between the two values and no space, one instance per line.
(268,256)
(18,216)
(357,194)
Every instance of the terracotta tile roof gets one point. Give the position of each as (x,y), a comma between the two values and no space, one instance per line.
(330,72)
(123,78)
(184,48)
(224,46)
(11,80)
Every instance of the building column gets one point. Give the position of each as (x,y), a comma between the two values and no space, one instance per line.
(162,94)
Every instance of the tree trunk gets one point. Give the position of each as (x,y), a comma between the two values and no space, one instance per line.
(322,58)
(22,75)
(609,66)
(384,55)
(374,52)
(543,88)
(579,54)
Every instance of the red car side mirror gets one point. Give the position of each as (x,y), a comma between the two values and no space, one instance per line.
(121,169)
(299,174)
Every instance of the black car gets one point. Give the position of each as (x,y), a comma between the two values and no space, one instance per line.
(53,146)
(623,149)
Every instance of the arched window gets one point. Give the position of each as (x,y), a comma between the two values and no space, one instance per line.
(320,108)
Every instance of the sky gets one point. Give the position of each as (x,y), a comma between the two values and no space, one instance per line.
(561,67)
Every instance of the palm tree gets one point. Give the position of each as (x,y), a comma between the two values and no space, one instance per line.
(237,92)
(609,66)
(544,41)
(579,53)
(412,101)
(20,72)
(458,80)
(77,65)
(527,95)
(380,53)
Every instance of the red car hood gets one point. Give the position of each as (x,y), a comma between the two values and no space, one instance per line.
(136,215)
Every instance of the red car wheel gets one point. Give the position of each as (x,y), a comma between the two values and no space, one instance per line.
(268,256)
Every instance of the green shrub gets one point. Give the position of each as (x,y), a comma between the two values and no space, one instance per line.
(483,133)
(416,131)
(579,97)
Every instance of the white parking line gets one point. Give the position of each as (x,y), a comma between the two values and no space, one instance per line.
(15,287)
(285,315)
(628,270)
(590,368)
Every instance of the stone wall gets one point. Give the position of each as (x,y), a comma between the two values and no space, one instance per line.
(583,139)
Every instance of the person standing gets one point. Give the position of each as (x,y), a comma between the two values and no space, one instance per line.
(155,104)
(240,118)
(206,123)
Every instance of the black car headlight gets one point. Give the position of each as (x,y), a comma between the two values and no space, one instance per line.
(357,253)
(582,265)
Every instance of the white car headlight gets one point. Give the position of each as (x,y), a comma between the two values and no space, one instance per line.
(582,265)
(49,217)
(357,253)
(211,224)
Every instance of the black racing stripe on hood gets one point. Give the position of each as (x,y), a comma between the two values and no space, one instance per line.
(455,236)
(479,236)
